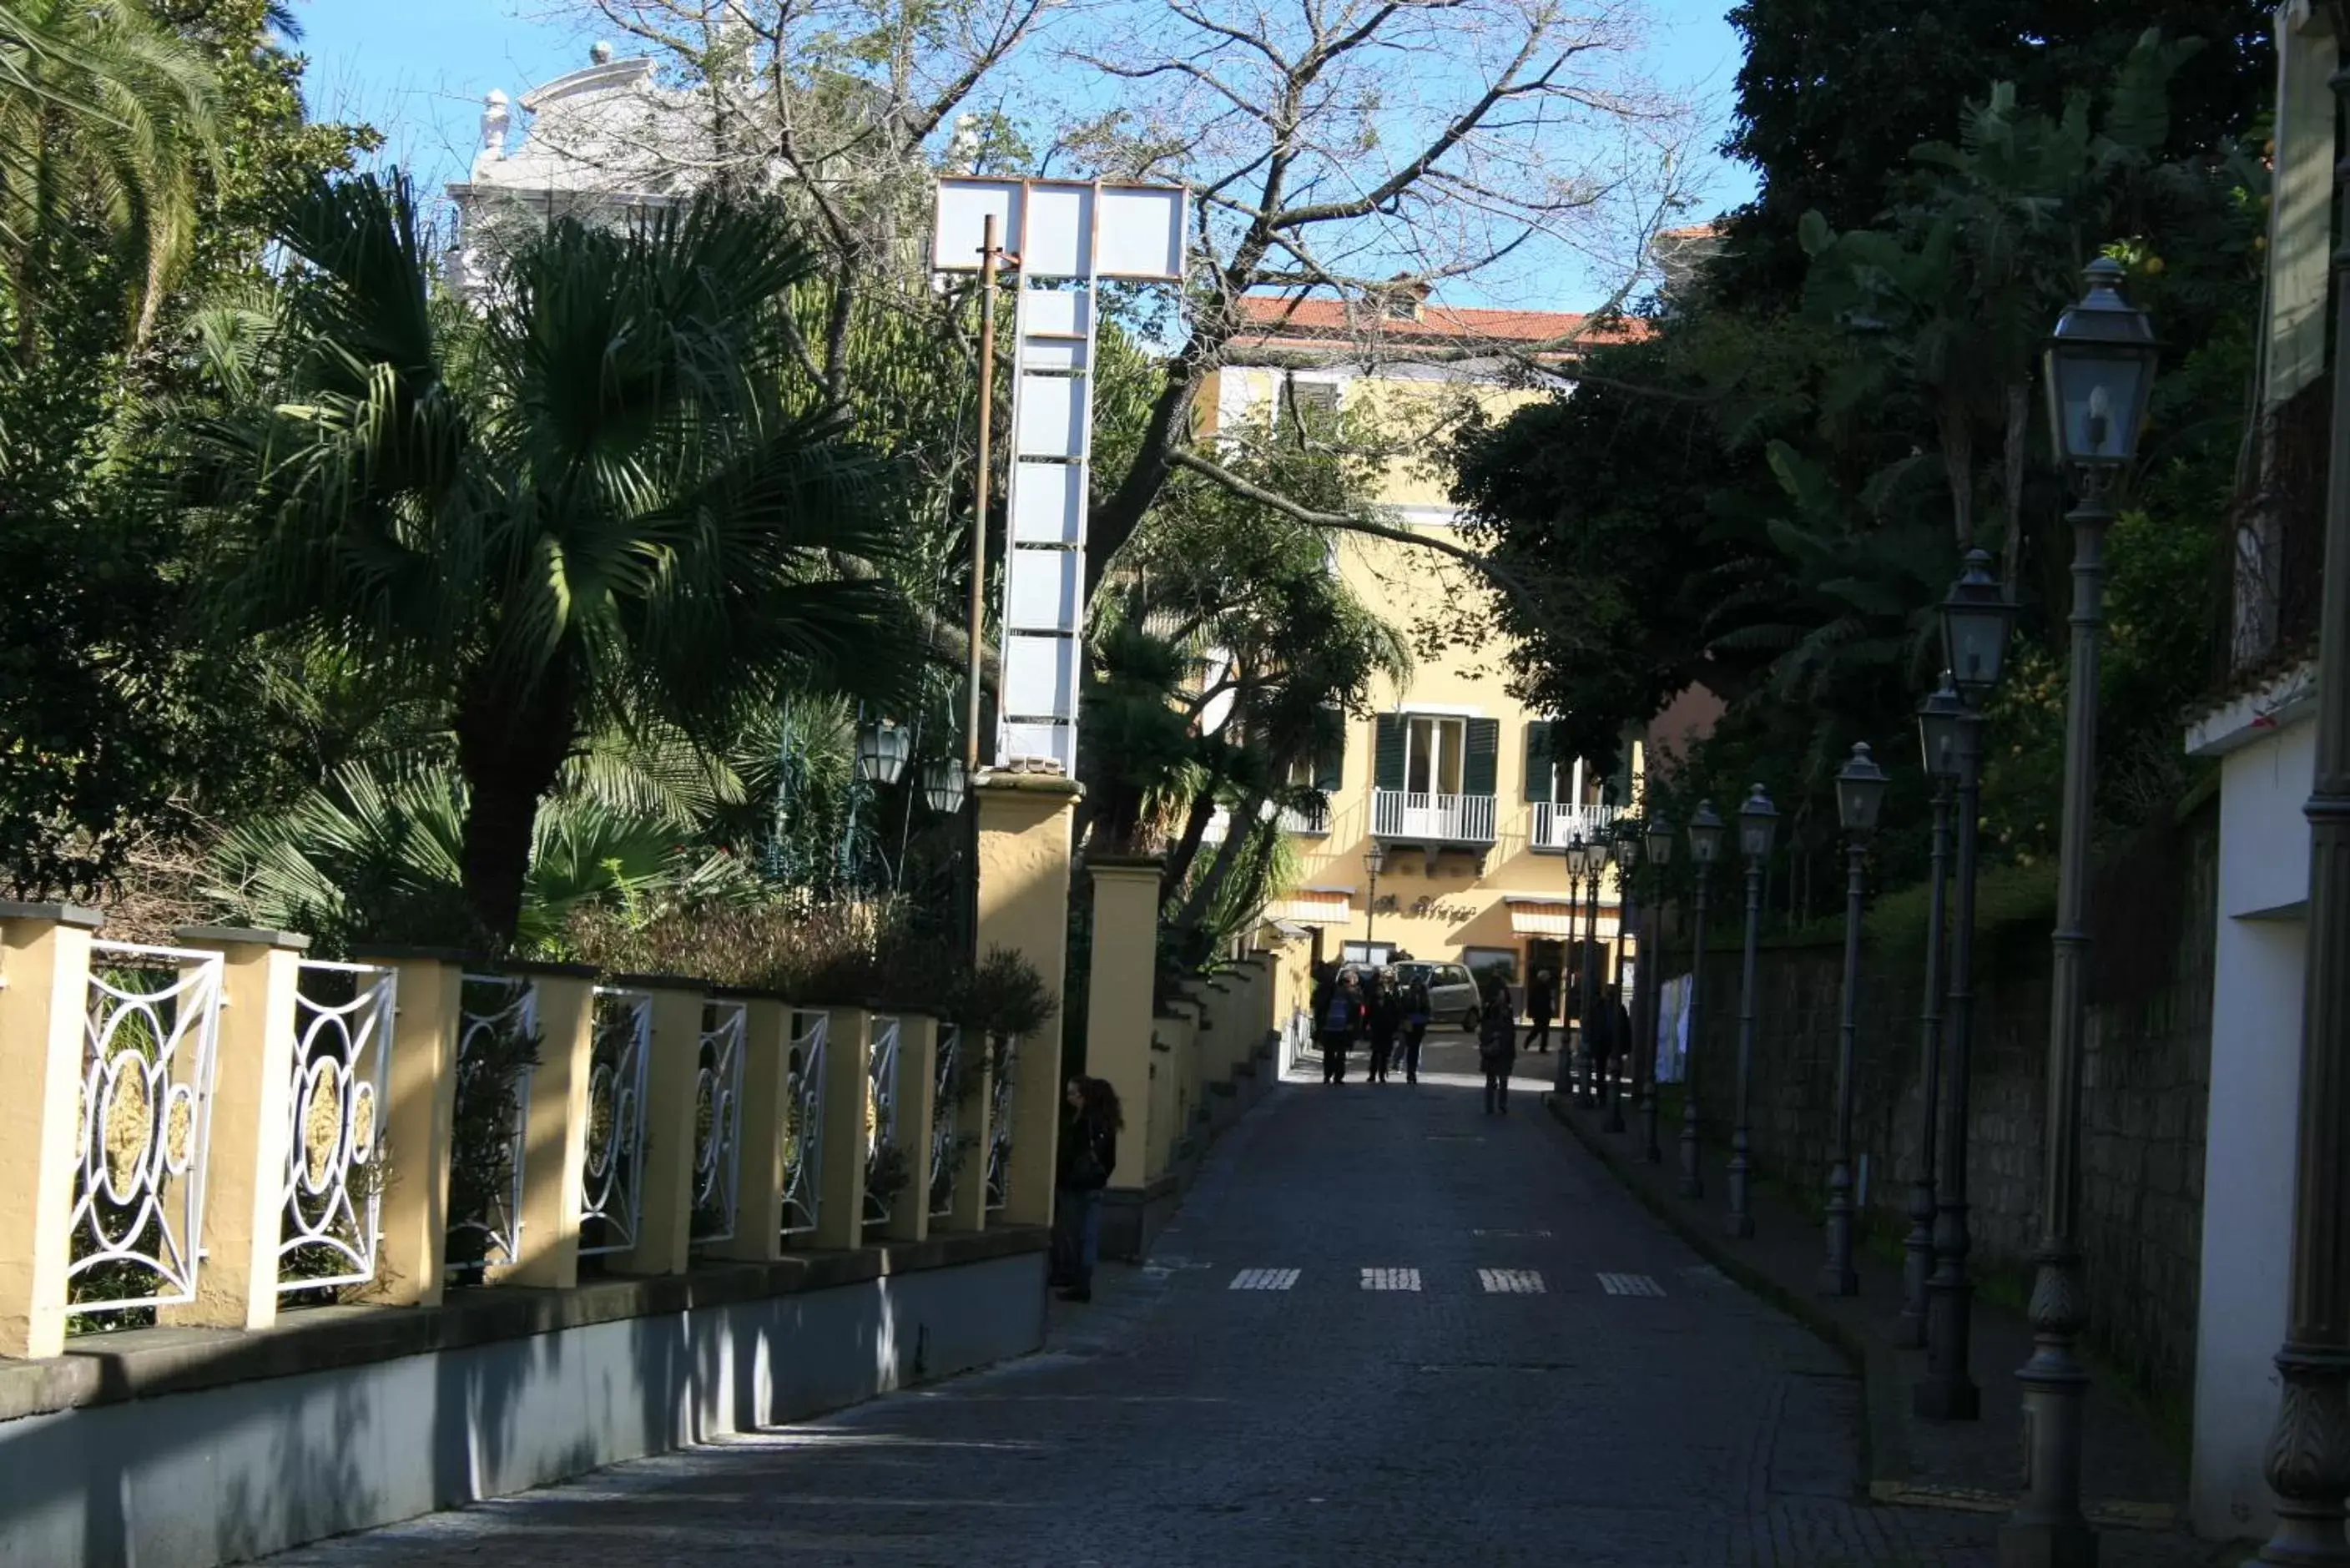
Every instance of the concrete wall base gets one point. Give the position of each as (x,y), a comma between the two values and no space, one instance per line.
(225,1470)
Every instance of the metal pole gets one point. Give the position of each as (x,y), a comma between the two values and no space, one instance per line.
(1589,982)
(1839,1278)
(1918,1251)
(2309,1453)
(1692,1171)
(1576,1061)
(1625,910)
(1740,1220)
(2047,1526)
(988,251)
(1644,1016)
(1949,1391)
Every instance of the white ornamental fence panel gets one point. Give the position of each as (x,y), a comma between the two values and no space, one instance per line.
(946,1091)
(804,1123)
(999,1129)
(612,1177)
(497,1041)
(334,1176)
(718,1122)
(151,1035)
(883,1161)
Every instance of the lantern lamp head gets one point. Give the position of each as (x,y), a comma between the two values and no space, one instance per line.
(1758,824)
(1976,619)
(1705,834)
(943,785)
(1860,793)
(882,748)
(1661,839)
(1941,736)
(2100,365)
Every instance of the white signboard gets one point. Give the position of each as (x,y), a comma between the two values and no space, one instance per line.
(1061,236)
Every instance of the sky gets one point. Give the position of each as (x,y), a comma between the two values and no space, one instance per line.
(417,70)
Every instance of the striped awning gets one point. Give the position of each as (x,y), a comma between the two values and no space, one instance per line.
(1557,917)
(1313,907)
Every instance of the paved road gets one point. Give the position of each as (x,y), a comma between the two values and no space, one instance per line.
(1510,1409)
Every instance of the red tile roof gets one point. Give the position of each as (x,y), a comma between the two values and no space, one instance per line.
(1293,322)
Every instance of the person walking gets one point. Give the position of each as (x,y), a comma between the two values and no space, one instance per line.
(1497,1046)
(1385,1021)
(1542,1006)
(1416,1009)
(1091,1121)
(1337,1019)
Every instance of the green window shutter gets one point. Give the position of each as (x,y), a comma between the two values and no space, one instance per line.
(1387,762)
(1540,767)
(1480,767)
(1330,765)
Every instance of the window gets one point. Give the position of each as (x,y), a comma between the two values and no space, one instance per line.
(1314,400)
(1433,749)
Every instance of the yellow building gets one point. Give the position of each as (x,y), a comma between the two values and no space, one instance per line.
(1451,787)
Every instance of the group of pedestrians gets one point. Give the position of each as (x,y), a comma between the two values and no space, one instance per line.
(1391,1014)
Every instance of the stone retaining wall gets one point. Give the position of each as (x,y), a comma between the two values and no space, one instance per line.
(2146,1086)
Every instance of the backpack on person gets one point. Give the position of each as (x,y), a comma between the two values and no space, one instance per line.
(1338,1015)
(1497,1034)
(1416,1005)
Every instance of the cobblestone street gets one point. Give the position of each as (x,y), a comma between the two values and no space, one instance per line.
(1384,1329)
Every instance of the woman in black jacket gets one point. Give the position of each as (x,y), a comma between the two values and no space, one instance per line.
(1088,1155)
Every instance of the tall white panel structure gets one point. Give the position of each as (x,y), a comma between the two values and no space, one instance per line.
(1061,237)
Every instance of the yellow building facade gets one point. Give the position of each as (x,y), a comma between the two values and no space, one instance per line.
(1451,787)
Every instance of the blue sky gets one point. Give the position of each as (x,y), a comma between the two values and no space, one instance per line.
(417,70)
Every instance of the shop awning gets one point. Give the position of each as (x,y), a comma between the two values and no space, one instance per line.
(1557,917)
(1313,907)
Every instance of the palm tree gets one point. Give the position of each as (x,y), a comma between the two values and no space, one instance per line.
(585,507)
(107,112)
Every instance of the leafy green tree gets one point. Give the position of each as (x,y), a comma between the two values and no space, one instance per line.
(1832,94)
(108,112)
(587,506)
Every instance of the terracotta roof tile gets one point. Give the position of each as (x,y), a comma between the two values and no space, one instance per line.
(1296,323)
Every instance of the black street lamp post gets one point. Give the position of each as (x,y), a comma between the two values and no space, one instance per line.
(1626,846)
(1574,1060)
(1860,793)
(1705,847)
(1649,979)
(1758,824)
(2100,373)
(1975,621)
(2309,1450)
(1596,855)
(1939,720)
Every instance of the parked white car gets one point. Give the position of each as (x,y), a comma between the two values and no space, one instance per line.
(1451,990)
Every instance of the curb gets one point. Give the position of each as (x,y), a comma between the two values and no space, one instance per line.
(1884,1444)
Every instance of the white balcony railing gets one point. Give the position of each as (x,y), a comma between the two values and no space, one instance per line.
(1313,820)
(1432,818)
(1555,826)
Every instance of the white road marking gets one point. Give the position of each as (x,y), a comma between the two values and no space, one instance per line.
(1510,1281)
(1630,1285)
(1265,1279)
(1391,1279)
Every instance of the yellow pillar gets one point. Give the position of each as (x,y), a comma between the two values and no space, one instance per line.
(665,1221)
(555,1137)
(1117,999)
(914,1100)
(251,1121)
(766,1078)
(44,1003)
(840,1202)
(1024,905)
(976,1071)
(428,1003)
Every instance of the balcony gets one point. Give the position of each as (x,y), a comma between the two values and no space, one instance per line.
(1556,825)
(1314,821)
(1423,818)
